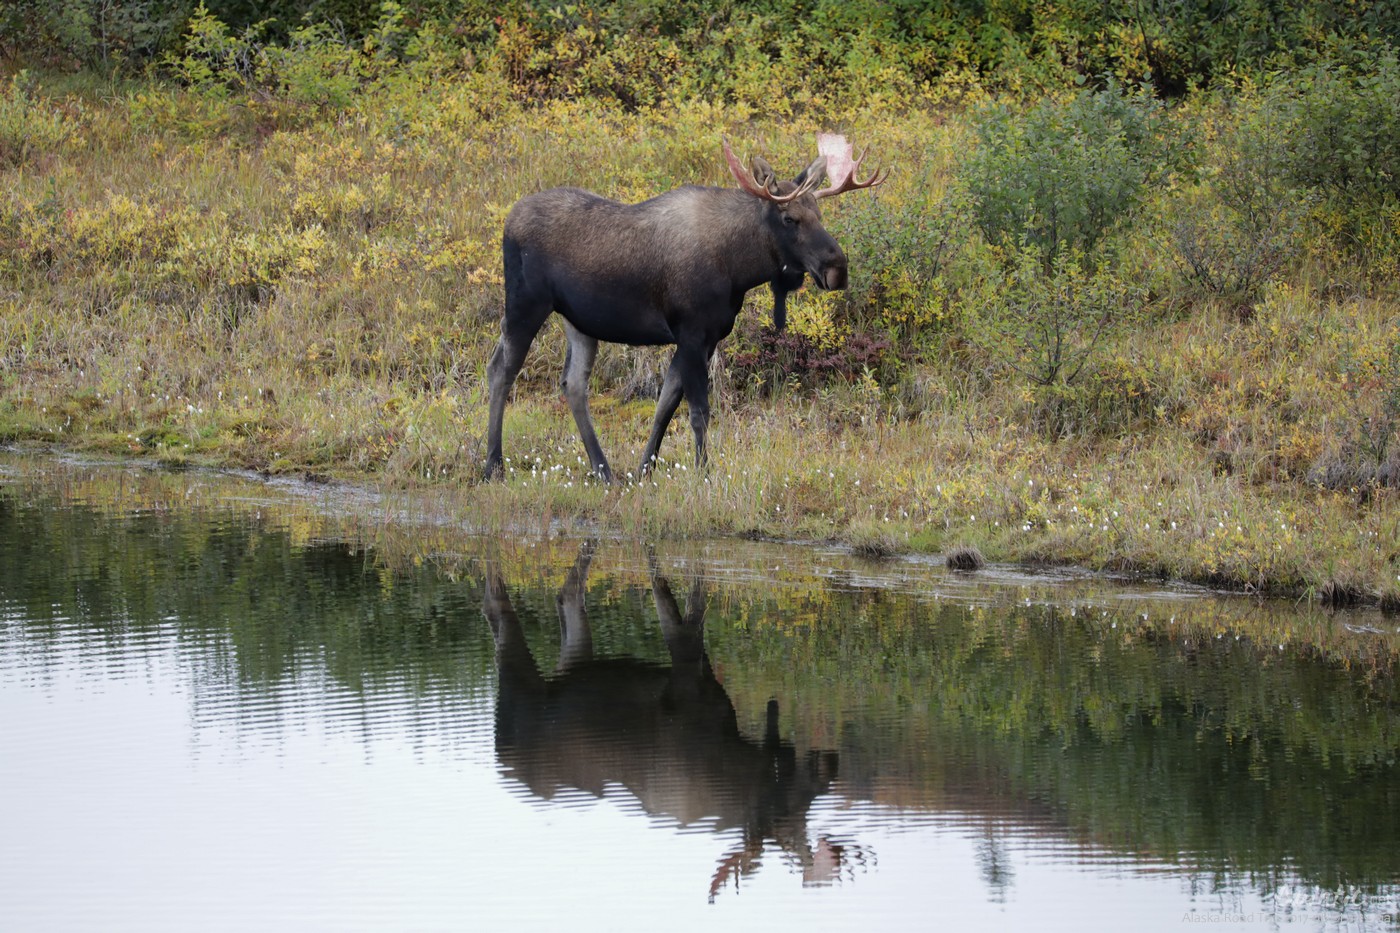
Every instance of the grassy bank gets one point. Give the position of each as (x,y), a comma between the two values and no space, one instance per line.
(310,283)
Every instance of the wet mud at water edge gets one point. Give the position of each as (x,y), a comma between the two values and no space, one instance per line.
(227,703)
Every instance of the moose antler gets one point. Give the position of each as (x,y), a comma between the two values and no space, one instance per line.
(746,180)
(841,168)
(833,151)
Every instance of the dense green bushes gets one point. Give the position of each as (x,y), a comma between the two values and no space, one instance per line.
(1058,177)
(1342,141)
(778,53)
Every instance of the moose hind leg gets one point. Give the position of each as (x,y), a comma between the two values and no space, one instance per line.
(580,355)
(523,319)
(500,374)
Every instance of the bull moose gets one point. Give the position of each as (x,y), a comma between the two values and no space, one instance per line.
(670,270)
(668,733)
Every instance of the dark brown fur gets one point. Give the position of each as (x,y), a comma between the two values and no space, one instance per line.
(671,270)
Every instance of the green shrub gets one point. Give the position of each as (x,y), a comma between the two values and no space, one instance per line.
(1343,128)
(1373,382)
(316,68)
(1243,226)
(777,53)
(1046,325)
(91,33)
(903,252)
(212,59)
(1342,138)
(30,124)
(1061,176)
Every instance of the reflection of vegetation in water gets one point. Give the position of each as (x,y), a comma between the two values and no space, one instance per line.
(1208,747)
(264,605)
(1222,737)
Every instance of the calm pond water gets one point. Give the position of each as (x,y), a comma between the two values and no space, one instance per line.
(229,704)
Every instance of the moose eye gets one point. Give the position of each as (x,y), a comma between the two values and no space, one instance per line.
(790,220)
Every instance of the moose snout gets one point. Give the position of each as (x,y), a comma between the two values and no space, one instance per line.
(833,277)
(827,267)
(829,272)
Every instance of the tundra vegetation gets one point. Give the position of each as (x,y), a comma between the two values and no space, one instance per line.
(1128,299)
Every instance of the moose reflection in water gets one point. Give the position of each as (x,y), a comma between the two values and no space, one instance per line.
(667,733)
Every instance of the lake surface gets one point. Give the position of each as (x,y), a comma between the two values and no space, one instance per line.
(233,704)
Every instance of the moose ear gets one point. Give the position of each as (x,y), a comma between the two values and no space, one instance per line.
(763,174)
(812,174)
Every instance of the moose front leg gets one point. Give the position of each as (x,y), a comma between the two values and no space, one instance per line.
(786,282)
(688,376)
(694,364)
(666,404)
